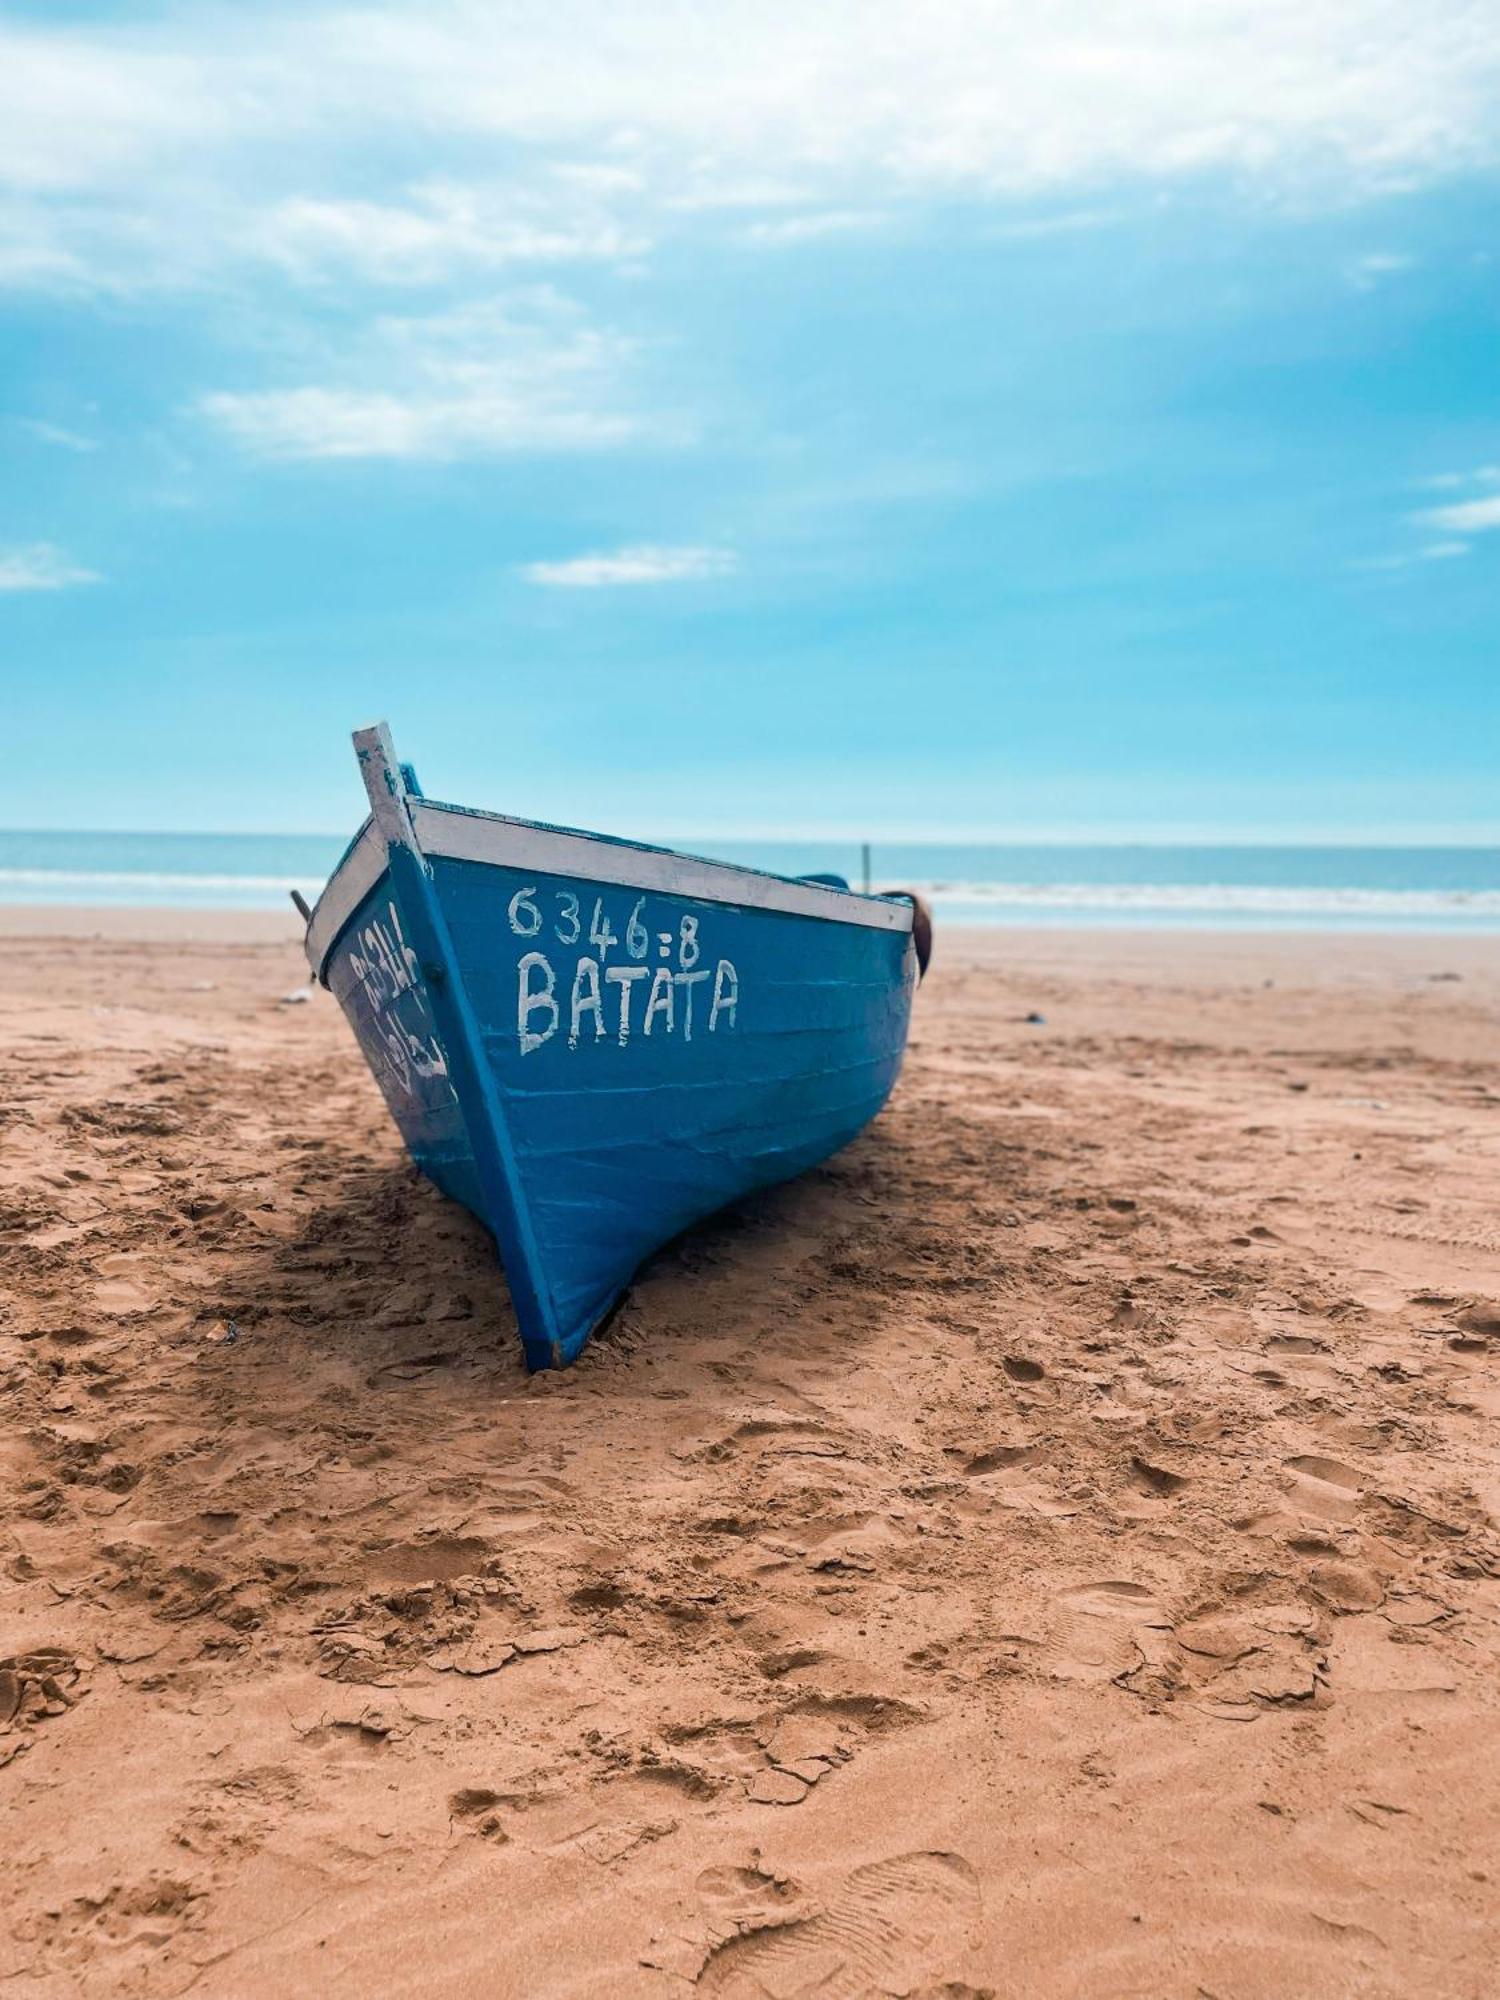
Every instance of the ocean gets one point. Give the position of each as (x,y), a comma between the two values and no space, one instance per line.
(1345,888)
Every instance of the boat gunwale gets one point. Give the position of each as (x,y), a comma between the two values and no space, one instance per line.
(331,915)
(797,897)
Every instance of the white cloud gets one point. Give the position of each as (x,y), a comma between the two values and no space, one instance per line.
(1432,552)
(171,149)
(80,110)
(57,434)
(1448,482)
(440,228)
(817,223)
(473,382)
(1455,520)
(262,158)
(485,417)
(40,566)
(1366,272)
(726,192)
(956,91)
(1467,517)
(643,563)
(1067,222)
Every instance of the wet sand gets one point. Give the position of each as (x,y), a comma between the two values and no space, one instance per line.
(1052,1550)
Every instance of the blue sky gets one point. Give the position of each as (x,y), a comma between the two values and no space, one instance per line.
(864,419)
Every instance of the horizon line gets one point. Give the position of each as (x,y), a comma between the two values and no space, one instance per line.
(1112,836)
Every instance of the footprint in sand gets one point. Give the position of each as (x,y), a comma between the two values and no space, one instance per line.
(744,1899)
(1112,1600)
(1346,1587)
(1155,1479)
(119,1298)
(1240,1662)
(1329,1470)
(412,1368)
(1002,1458)
(890,1925)
(1099,1631)
(1015,1476)
(771,1430)
(477,1807)
(144,1916)
(349,1740)
(438,1559)
(1324,1486)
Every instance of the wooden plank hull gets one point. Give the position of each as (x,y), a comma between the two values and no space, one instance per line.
(633,1057)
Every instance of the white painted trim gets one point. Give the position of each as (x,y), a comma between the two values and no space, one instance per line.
(349,884)
(461,835)
(384,783)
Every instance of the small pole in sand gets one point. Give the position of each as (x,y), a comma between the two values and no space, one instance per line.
(864,860)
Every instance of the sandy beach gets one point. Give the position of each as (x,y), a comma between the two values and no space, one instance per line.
(1052,1550)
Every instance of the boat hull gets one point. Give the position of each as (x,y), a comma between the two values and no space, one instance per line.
(591,1064)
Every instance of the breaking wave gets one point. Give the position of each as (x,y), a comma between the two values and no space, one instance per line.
(957,898)
(125,885)
(1246,901)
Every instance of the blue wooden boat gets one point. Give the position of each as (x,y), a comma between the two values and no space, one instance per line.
(592,1043)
